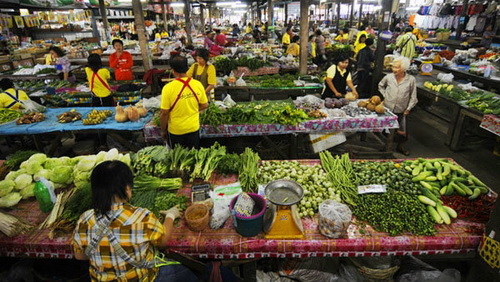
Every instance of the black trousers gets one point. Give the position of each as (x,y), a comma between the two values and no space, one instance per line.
(364,83)
(189,140)
(103,102)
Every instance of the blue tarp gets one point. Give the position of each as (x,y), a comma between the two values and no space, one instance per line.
(50,124)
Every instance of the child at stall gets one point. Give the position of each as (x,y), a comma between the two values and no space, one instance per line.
(98,77)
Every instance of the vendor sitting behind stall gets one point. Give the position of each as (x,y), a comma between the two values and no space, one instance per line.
(285,40)
(121,61)
(294,47)
(360,45)
(11,98)
(203,71)
(98,77)
(63,66)
(343,36)
(337,79)
(220,38)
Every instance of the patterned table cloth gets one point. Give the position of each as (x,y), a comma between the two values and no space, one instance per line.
(369,123)
(491,123)
(461,236)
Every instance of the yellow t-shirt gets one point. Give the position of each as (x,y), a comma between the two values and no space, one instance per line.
(6,100)
(313,49)
(331,71)
(358,48)
(285,39)
(248,29)
(358,36)
(48,59)
(293,49)
(158,36)
(97,87)
(184,118)
(212,77)
(164,35)
(342,37)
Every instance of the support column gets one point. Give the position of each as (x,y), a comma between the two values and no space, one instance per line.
(187,16)
(202,18)
(304,34)
(209,16)
(360,19)
(380,51)
(104,17)
(460,27)
(141,33)
(338,14)
(286,14)
(164,8)
(352,14)
(270,13)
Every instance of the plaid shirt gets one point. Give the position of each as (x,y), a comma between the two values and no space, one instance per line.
(137,230)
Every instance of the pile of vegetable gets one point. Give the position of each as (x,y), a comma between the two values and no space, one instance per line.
(7,115)
(30,118)
(313,180)
(96,117)
(332,103)
(478,210)
(229,164)
(206,160)
(448,55)
(341,174)
(374,104)
(248,170)
(228,64)
(70,116)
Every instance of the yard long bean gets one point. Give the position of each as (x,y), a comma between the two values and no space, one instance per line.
(340,172)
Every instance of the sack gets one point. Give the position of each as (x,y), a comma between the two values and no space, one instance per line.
(334,218)
(32,107)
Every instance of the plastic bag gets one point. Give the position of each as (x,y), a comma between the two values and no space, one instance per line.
(415,270)
(467,87)
(240,81)
(222,196)
(151,103)
(310,269)
(32,107)
(229,102)
(309,99)
(334,218)
(445,77)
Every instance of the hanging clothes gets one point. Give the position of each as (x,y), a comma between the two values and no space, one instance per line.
(471,23)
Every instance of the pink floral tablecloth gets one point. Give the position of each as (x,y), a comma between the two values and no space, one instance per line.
(491,123)
(376,123)
(461,236)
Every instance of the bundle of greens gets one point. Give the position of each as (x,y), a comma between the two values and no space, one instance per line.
(147,182)
(229,164)
(249,168)
(341,173)
(206,160)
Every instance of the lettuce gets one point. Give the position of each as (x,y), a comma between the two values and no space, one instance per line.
(6,186)
(86,164)
(13,174)
(126,159)
(10,200)
(38,158)
(62,175)
(111,155)
(42,173)
(23,180)
(100,157)
(28,191)
(33,168)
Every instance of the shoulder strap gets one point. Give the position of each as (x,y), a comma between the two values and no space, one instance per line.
(95,74)
(14,98)
(186,84)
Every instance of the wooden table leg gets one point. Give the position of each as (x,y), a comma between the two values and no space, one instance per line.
(390,140)
(453,123)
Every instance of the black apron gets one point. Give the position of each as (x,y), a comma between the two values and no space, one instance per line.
(340,83)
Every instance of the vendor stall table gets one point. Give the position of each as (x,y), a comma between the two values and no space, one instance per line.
(459,74)
(34,76)
(51,125)
(105,61)
(461,237)
(249,93)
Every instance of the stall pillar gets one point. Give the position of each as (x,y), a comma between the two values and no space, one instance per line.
(164,8)
(270,13)
(187,12)
(304,34)
(380,52)
(141,33)
(105,23)
(360,18)
(338,15)
(259,13)
(202,18)
(209,17)
(463,13)
(286,13)
(352,14)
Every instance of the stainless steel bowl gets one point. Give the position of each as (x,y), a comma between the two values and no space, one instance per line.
(284,192)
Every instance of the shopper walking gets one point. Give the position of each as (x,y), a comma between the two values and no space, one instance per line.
(128,253)
(203,71)
(181,103)
(63,66)
(406,43)
(364,63)
(98,77)
(399,90)
(121,61)
(337,79)
(320,48)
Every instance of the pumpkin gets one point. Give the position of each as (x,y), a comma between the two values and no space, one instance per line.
(371,107)
(375,100)
(120,115)
(132,113)
(380,109)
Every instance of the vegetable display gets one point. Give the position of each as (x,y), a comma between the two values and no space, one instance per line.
(340,172)
(96,117)
(229,164)
(70,116)
(248,170)
(7,115)
(30,118)
(206,160)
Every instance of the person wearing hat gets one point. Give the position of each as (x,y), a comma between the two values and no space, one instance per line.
(203,71)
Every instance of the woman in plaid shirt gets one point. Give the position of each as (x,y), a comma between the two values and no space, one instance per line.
(120,239)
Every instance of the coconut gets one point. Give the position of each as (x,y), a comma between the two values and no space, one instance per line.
(362,104)
(375,100)
(380,109)
(370,107)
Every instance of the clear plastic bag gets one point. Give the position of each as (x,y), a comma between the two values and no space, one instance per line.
(222,196)
(32,107)
(151,103)
(334,218)
(445,77)
(229,102)
(240,81)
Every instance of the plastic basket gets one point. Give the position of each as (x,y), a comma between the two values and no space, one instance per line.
(199,224)
(249,226)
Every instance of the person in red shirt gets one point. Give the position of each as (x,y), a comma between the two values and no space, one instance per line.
(220,38)
(121,61)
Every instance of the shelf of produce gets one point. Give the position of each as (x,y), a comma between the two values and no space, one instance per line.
(249,93)
(460,237)
(458,74)
(36,77)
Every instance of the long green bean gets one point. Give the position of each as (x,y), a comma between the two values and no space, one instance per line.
(340,172)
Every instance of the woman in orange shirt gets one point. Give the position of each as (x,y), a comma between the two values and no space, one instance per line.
(121,61)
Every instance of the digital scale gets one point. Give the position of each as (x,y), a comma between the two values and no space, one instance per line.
(426,68)
(282,220)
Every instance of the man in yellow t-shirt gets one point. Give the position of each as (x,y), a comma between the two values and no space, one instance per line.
(10,97)
(181,103)
(294,47)
(285,40)
(343,36)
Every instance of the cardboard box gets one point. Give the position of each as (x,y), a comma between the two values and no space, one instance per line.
(321,142)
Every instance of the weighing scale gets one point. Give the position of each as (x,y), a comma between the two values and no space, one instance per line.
(281,220)
(426,68)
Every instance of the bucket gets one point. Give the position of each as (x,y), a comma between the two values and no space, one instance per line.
(249,226)
(198,224)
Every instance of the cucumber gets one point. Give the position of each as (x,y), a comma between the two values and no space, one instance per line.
(421,176)
(466,189)
(446,170)
(459,179)
(451,212)
(429,166)
(426,185)
(457,188)
(475,194)
(439,174)
(426,201)
(408,168)
(435,215)
(416,170)
(437,164)
(449,190)
(442,212)
(431,178)
(443,190)
(476,181)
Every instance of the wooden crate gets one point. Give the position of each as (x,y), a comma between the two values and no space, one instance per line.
(29,63)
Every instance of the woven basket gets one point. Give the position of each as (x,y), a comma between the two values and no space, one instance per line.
(201,223)
(374,273)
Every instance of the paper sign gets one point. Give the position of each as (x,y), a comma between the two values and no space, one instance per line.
(19,21)
(372,188)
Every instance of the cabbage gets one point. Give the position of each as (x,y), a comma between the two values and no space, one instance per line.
(6,186)
(82,176)
(65,161)
(28,191)
(100,157)
(38,158)
(126,159)
(33,167)
(111,155)
(42,173)
(13,174)
(62,174)
(86,164)
(10,200)
(24,164)
(23,180)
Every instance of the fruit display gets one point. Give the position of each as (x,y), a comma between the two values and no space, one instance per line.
(30,118)
(70,116)
(336,102)
(373,104)
(96,117)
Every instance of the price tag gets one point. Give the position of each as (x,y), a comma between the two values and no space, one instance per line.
(372,188)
